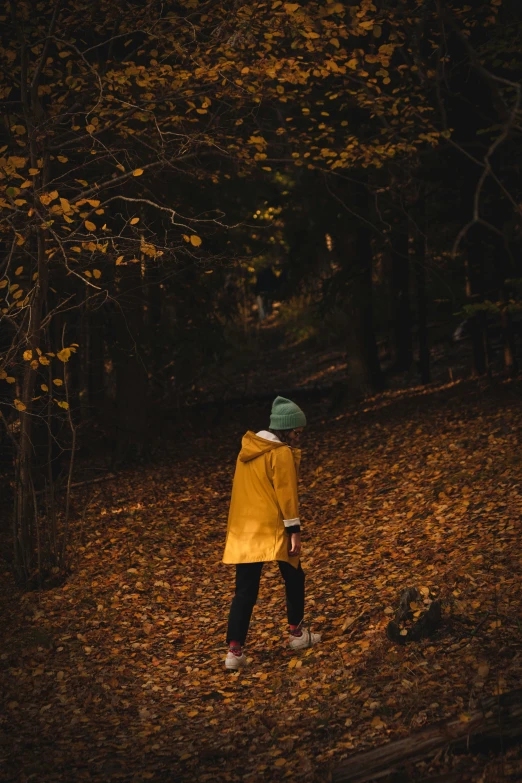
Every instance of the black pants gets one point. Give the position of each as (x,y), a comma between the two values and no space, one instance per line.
(247,588)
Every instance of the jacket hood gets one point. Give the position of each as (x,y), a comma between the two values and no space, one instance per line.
(253,446)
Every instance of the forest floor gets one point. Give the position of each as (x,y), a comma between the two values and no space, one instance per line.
(117,675)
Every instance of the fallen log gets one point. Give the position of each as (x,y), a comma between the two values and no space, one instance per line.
(96,480)
(499,719)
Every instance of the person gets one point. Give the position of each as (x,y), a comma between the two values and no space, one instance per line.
(264,525)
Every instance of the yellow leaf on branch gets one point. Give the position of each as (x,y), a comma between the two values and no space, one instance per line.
(90,226)
(16,162)
(46,198)
(19,405)
(195,240)
(65,354)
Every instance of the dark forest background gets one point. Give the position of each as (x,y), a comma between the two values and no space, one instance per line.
(189,188)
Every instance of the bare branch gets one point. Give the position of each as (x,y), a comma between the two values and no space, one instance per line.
(43,56)
(508,125)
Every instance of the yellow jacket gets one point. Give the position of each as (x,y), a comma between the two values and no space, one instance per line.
(264,497)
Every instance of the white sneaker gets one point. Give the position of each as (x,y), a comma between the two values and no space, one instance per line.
(234,662)
(307,639)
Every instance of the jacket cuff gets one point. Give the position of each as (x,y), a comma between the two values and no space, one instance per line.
(292,525)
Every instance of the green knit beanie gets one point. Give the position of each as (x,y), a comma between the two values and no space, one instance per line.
(286,415)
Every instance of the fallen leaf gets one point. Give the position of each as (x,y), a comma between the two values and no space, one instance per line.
(348,624)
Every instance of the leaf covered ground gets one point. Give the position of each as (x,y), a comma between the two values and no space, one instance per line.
(118,674)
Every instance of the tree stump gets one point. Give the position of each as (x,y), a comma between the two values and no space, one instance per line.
(418,616)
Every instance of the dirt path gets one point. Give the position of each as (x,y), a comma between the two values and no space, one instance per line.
(271,360)
(117,675)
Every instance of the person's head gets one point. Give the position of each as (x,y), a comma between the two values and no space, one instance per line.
(292,437)
(287,420)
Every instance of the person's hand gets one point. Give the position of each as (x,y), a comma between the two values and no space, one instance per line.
(294,544)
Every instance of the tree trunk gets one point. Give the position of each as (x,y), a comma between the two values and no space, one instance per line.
(152,317)
(131,375)
(506,270)
(25,514)
(95,320)
(475,324)
(508,339)
(28,539)
(400,291)
(499,720)
(363,357)
(419,259)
